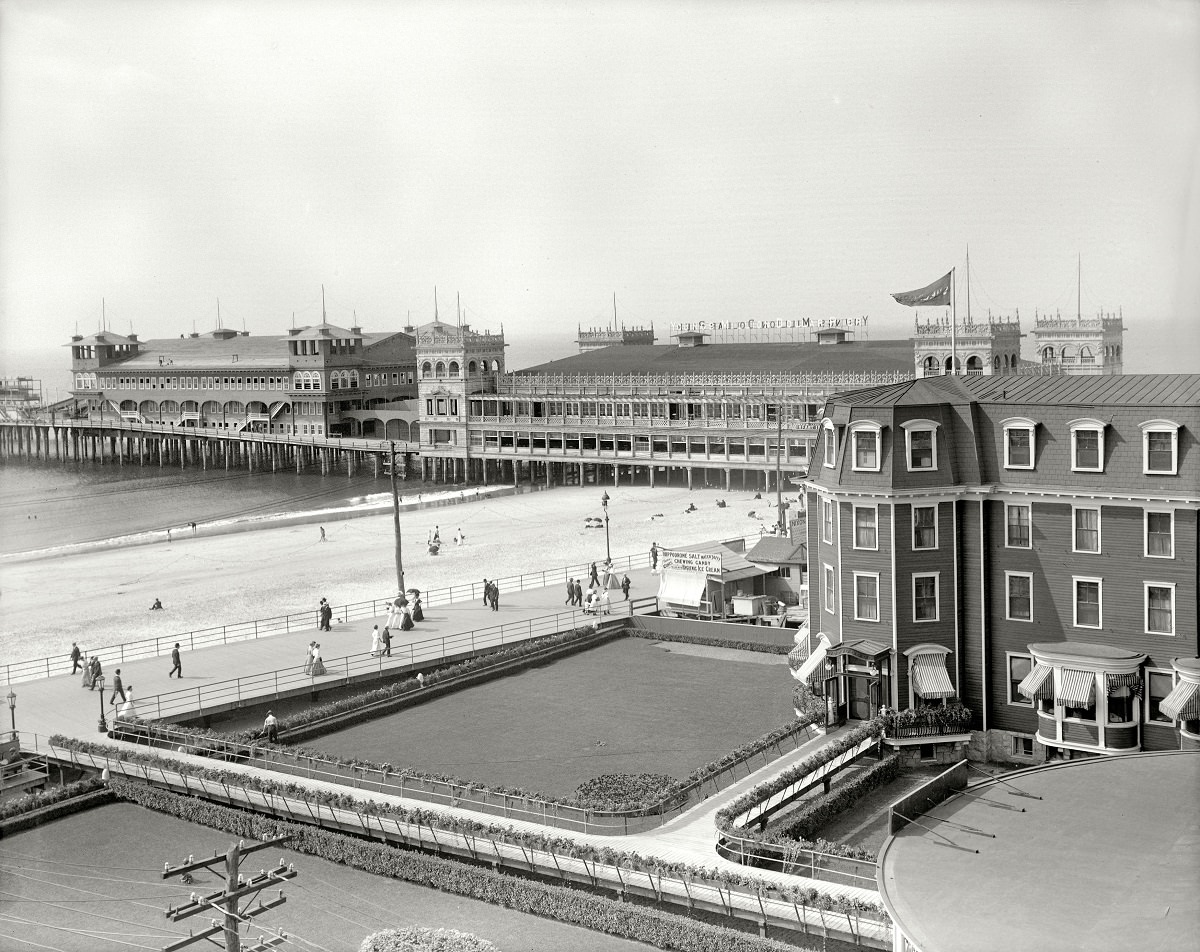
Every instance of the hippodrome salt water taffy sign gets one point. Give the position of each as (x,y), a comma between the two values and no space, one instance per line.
(695,563)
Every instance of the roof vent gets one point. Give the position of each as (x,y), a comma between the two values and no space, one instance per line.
(133,337)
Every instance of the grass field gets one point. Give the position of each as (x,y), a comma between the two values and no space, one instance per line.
(92,883)
(630,706)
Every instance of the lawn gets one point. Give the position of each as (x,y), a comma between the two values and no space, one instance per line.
(629,706)
(96,878)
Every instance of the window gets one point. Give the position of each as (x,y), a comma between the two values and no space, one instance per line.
(1019,443)
(866,597)
(1019,596)
(827,520)
(1022,746)
(866,532)
(925,527)
(1158,685)
(1160,535)
(1160,448)
(830,444)
(1160,608)
(1019,667)
(1017,520)
(1087,446)
(925,597)
(866,448)
(920,438)
(830,590)
(1088,613)
(1087,530)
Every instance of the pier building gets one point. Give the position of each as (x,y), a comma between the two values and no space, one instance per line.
(1081,345)
(1025,546)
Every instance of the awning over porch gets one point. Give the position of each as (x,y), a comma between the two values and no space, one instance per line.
(1183,703)
(682,588)
(930,678)
(815,659)
(1076,688)
(1038,684)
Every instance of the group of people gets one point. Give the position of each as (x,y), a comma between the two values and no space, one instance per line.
(491,595)
(313,665)
(324,615)
(597,598)
(405,611)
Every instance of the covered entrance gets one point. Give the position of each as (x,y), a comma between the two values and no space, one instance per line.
(857,680)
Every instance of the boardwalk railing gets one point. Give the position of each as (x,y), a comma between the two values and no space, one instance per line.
(304,621)
(752,903)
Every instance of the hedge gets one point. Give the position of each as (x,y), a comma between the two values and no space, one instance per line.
(710,642)
(815,815)
(425,940)
(29,802)
(665,930)
(562,846)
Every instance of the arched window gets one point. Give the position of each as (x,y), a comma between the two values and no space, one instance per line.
(129,406)
(1085,356)
(335,380)
(454,368)
(79,381)
(996,362)
(930,366)
(297,381)
(235,408)
(147,407)
(974,364)
(952,367)
(1012,361)
(427,369)
(440,370)
(496,366)
(1047,355)
(471,366)
(168,406)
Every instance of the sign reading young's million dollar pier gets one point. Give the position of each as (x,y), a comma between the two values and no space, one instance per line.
(753,330)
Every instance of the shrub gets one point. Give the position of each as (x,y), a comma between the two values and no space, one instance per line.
(425,940)
(604,790)
(29,802)
(823,809)
(710,642)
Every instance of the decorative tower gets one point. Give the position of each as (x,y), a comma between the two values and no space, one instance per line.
(982,348)
(1080,345)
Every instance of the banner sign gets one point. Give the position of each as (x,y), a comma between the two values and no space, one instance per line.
(700,563)
(782,324)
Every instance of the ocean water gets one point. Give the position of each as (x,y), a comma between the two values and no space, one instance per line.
(49,504)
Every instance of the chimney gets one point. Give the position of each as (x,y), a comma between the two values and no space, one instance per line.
(194,334)
(75,337)
(356,331)
(293,331)
(133,336)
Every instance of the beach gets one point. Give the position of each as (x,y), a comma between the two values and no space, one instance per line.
(103,596)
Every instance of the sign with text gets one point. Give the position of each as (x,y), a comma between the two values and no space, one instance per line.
(699,563)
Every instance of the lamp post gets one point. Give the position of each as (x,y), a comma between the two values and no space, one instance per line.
(607,546)
(102,727)
(12,710)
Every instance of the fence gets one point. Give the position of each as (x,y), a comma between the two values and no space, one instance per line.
(927,796)
(754,904)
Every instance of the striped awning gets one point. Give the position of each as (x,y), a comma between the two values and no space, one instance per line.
(1076,688)
(1038,684)
(1131,681)
(930,679)
(1183,702)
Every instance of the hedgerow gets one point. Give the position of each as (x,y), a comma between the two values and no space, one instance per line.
(29,802)
(805,823)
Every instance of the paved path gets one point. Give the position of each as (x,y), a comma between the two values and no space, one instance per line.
(60,705)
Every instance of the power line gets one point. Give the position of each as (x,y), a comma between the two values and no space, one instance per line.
(55,862)
(38,945)
(106,879)
(46,925)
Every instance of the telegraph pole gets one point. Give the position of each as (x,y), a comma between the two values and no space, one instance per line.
(226,901)
(396,524)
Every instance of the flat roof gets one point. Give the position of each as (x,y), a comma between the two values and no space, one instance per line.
(1107,858)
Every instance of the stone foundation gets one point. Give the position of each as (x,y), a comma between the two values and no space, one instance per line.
(996,746)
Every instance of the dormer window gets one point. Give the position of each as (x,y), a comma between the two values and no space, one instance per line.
(830,445)
(1160,448)
(1019,443)
(867,443)
(920,444)
(1087,446)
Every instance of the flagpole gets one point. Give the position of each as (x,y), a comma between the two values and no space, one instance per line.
(953,323)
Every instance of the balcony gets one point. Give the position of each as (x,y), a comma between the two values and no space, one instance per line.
(954,720)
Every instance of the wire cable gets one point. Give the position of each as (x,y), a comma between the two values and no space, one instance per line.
(85,912)
(246,919)
(90,892)
(5,853)
(5,917)
(36,945)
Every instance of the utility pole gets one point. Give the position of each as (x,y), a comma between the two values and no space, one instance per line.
(396,523)
(226,900)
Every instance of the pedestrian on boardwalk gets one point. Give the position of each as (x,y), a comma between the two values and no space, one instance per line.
(386,638)
(76,657)
(495,596)
(127,712)
(176,662)
(324,616)
(318,666)
(570,592)
(625,583)
(308,658)
(594,575)
(271,726)
(376,642)
(604,605)
(91,671)
(578,592)
(418,613)
(653,556)
(406,622)
(117,688)
(487,591)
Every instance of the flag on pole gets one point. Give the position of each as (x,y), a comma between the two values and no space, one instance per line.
(931,295)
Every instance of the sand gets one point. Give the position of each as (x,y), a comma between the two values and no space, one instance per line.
(103,597)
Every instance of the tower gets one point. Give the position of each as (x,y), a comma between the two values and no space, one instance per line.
(982,349)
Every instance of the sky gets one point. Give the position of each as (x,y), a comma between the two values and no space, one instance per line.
(699,160)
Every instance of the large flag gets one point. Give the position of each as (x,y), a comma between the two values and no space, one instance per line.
(928,296)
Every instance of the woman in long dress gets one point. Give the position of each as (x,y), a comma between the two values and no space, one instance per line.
(308,658)
(127,712)
(417,613)
(318,666)
(89,673)
(375,641)
(406,622)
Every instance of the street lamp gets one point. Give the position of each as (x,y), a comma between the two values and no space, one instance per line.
(607,546)
(12,710)
(102,727)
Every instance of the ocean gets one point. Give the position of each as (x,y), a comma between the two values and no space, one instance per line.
(52,505)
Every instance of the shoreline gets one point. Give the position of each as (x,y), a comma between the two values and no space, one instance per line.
(222,527)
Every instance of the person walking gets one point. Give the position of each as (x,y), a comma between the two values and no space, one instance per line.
(117,688)
(271,726)
(386,639)
(578,593)
(326,616)
(487,591)
(376,642)
(318,666)
(595,575)
(91,671)
(176,662)
(418,613)
(625,583)
(76,657)
(495,596)
(127,712)
(653,556)
(308,658)
(322,528)
(406,622)
(570,592)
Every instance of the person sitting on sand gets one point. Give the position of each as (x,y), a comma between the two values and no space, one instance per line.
(157,606)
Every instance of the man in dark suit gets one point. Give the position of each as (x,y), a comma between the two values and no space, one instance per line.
(578,593)
(76,656)
(177,664)
(570,595)
(118,688)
